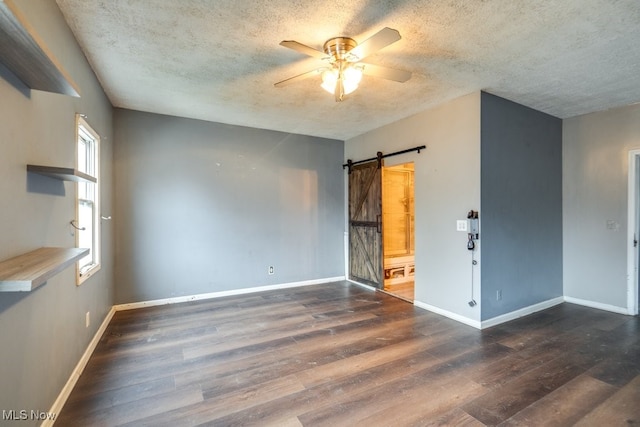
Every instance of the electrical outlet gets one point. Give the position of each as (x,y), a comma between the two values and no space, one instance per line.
(461,225)
(271,269)
(499,295)
(87,319)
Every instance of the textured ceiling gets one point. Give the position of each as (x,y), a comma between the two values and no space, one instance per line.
(217,60)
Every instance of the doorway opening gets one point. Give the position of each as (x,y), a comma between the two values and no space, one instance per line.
(382,227)
(398,230)
(633,231)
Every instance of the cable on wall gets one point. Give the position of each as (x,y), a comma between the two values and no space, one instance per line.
(473,302)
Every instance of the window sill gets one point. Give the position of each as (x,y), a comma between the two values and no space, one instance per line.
(81,278)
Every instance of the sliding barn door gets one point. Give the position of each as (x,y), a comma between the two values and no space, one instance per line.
(365,224)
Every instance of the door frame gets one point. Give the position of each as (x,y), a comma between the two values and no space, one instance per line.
(633,231)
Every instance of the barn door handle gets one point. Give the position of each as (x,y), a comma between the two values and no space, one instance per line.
(379,223)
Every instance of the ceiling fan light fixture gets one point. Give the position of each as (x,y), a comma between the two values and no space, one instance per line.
(343,72)
(351,77)
(329,80)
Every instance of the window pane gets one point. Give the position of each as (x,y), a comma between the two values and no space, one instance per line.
(86,190)
(85,237)
(88,199)
(82,155)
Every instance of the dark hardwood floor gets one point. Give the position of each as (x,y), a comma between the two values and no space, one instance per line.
(340,355)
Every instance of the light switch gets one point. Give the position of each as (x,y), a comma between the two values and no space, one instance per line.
(461,225)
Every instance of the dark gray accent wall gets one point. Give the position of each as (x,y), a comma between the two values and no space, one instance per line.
(521,206)
(207,207)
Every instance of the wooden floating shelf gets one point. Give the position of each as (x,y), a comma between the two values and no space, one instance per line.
(65,174)
(25,55)
(28,271)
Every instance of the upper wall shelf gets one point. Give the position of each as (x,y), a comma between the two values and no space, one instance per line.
(65,174)
(26,56)
(28,271)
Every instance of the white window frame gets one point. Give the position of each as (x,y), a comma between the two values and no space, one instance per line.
(90,264)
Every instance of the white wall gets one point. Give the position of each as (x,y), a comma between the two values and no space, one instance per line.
(43,334)
(595,173)
(447,186)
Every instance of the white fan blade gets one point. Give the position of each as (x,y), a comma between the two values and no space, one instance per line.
(299,77)
(385,73)
(379,40)
(304,49)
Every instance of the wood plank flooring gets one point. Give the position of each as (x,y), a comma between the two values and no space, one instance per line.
(401,290)
(341,355)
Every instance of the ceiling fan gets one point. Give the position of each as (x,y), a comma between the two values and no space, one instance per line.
(343,71)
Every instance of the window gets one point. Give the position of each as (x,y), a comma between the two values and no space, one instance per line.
(88,199)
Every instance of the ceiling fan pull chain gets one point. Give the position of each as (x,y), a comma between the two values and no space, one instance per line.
(340,83)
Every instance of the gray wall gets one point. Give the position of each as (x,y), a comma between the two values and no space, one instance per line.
(43,332)
(521,212)
(447,186)
(206,207)
(595,173)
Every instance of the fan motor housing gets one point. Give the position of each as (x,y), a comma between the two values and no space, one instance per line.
(337,47)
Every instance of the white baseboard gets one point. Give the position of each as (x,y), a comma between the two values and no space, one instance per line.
(210,295)
(521,312)
(495,320)
(598,305)
(451,315)
(77,371)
